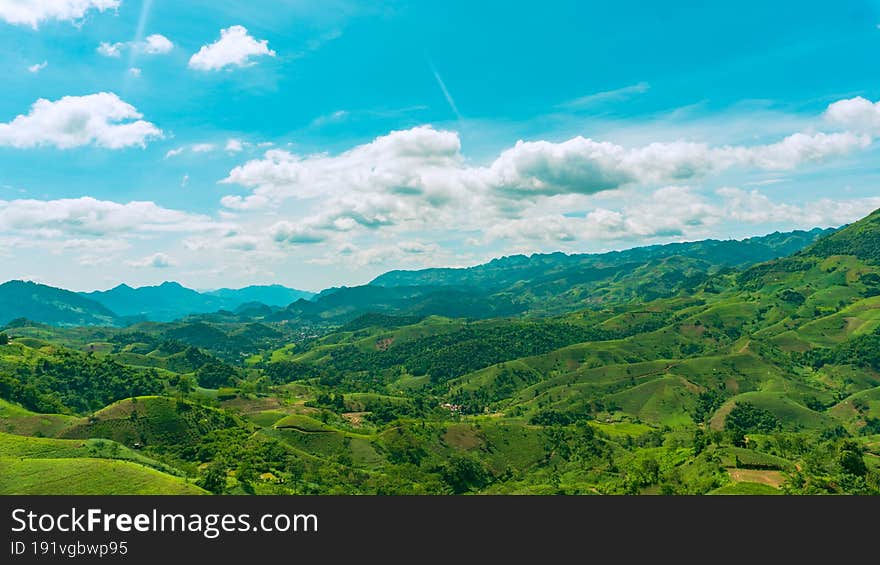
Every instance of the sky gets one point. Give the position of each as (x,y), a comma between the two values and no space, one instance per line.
(315,144)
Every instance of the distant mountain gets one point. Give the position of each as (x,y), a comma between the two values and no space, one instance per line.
(49,305)
(505,271)
(162,303)
(545,283)
(347,303)
(171,301)
(541,284)
(270,295)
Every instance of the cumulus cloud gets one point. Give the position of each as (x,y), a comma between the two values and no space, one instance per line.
(37,67)
(289,233)
(585,166)
(74,217)
(412,161)
(235,48)
(855,114)
(154,261)
(101,119)
(418,178)
(34,12)
(155,44)
(428,163)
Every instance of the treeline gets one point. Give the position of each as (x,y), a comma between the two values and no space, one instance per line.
(445,357)
(73,382)
(863,351)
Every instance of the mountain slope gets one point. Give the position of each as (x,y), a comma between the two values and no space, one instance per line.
(270,295)
(164,302)
(171,301)
(49,305)
(861,239)
(502,272)
(545,284)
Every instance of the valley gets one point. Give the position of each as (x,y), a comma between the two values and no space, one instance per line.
(714,367)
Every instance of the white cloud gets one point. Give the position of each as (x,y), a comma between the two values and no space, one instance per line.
(203,147)
(174,152)
(155,44)
(756,208)
(34,12)
(677,213)
(88,216)
(414,161)
(584,166)
(154,261)
(134,71)
(855,114)
(234,48)
(412,252)
(184,181)
(418,178)
(37,67)
(110,49)
(427,163)
(670,212)
(101,119)
(234,145)
(288,233)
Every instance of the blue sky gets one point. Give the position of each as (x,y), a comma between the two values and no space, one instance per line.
(314,144)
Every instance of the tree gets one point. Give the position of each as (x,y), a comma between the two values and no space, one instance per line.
(185,384)
(463,474)
(4,339)
(216,375)
(746,417)
(214,479)
(850,459)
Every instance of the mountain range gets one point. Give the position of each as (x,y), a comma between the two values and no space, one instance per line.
(539,284)
(123,305)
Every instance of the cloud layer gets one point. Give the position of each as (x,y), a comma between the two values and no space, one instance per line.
(70,217)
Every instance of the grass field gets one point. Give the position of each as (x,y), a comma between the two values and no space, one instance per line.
(87,476)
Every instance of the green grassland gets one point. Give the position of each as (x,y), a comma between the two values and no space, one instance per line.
(87,476)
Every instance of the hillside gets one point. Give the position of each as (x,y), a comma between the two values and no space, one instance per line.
(506,271)
(545,284)
(49,305)
(270,295)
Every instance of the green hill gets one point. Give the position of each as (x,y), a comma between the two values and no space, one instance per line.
(49,305)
